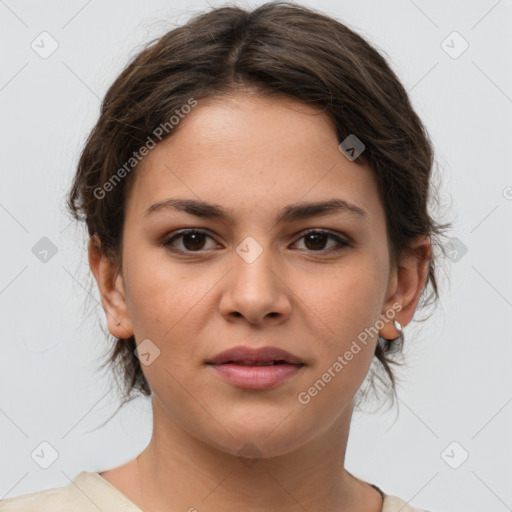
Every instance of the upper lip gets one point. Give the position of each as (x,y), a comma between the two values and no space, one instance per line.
(248,355)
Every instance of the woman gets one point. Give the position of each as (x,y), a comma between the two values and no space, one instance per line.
(255,191)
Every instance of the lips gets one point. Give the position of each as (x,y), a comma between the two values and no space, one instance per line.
(246,356)
(256,369)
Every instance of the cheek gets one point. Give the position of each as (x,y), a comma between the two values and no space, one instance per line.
(152,294)
(347,300)
(147,298)
(342,309)
(167,303)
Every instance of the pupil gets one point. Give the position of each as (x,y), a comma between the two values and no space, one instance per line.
(315,237)
(196,242)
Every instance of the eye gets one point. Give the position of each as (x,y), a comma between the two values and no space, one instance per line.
(316,239)
(192,240)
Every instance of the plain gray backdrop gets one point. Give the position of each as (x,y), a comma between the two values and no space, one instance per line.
(449,449)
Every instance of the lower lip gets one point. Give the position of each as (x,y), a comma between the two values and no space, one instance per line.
(256,377)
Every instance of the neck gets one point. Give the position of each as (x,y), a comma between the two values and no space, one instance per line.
(179,469)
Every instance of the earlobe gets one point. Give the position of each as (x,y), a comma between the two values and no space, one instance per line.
(408,284)
(111,287)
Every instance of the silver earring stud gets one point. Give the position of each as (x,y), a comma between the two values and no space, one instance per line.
(400,339)
(395,345)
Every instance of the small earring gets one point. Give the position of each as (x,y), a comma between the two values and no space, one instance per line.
(395,345)
(401,338)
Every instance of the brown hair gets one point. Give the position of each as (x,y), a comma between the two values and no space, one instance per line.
(279,48)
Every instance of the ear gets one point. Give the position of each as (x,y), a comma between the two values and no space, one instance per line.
(111,286)
(405,286)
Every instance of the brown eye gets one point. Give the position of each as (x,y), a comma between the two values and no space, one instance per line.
(316,241)
(191,241)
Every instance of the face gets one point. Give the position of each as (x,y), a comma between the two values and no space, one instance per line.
(254,277)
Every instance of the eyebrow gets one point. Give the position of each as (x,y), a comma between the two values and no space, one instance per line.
(289,213)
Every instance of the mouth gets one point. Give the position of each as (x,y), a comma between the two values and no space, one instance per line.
(249,368)
(256,363)
(247,356)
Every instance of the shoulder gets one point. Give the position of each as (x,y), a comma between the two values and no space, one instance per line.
(395,504)
(50,500)
(88,492)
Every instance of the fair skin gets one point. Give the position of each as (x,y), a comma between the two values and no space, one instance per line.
(253,156)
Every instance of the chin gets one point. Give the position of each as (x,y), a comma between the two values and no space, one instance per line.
(258,439)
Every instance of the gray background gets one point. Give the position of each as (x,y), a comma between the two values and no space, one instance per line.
(456,387)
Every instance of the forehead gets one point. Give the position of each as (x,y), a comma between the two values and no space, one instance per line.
(247,151)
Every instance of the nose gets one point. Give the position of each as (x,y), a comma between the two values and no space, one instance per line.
(256,290)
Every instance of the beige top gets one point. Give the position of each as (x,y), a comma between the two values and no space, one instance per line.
(90,492)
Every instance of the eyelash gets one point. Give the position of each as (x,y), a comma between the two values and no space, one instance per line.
(342,243)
